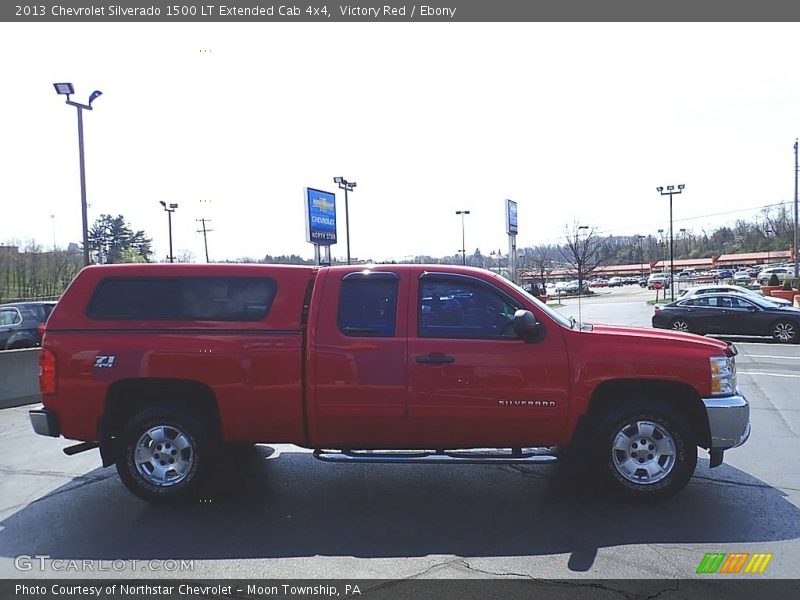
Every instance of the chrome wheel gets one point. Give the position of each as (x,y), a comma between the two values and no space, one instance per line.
(164,455)
(643,452)
(680,325)
(784,331)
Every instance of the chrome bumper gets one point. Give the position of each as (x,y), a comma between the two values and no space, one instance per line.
(728,423)
(45,422)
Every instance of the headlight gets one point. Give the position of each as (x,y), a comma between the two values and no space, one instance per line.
(723,375)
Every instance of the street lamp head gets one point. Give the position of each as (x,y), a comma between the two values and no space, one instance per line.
(64,89)
(338,179)
(173,206)
(352,185)
(95,95)
(659,189)
(670,187)
(162,203)
(681,186)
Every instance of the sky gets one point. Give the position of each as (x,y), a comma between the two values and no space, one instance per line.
(576,122)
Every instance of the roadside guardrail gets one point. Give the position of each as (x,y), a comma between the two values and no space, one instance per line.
(19,377)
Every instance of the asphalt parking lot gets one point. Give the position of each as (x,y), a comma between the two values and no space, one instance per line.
(293,517)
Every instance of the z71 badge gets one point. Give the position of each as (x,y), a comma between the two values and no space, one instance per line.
(104,362)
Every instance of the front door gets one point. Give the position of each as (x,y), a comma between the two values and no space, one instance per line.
(472,381)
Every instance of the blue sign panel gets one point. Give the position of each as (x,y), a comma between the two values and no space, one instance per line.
(320,212)
(511,217)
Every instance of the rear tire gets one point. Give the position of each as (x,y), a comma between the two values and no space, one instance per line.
(785,332)
(165,456)
(642,451)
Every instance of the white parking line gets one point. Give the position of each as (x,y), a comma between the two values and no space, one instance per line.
(765,373)
(771,356)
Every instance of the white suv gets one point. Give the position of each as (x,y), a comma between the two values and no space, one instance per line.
(783,273)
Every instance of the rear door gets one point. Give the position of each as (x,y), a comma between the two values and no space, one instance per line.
(357,355)
(746,317)
(472,382)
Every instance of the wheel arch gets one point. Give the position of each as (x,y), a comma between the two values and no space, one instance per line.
(127,397)
(676,395)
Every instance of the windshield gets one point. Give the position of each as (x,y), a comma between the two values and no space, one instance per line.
(556,316)
(760,301)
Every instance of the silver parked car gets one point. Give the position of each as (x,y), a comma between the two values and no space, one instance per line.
(702,290)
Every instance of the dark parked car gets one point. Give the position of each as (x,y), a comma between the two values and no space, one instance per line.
(19,324)
(733,314)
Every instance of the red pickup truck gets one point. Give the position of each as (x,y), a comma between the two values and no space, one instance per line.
(162,366)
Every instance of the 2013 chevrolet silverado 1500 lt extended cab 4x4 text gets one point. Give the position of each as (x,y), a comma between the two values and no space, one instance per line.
(162,366)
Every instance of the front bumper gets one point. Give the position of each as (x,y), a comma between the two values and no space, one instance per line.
(728,424)
(45,422)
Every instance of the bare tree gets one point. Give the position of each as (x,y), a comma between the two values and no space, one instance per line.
(542,264)
(582,250)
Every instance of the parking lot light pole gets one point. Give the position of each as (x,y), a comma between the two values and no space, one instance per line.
(347,186)
(66,89)
(582,252)
(170,209)
(685,243)
(463,239)
(641,254)
(767,233)
(670,191)
(796,253)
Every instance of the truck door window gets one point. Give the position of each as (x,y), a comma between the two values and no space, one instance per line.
(463,310)
(368,308)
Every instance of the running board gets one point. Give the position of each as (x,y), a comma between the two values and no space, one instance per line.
(82,447)
(480,456)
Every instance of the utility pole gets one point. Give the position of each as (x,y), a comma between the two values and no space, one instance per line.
(205,231)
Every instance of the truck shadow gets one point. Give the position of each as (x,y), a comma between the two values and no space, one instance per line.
(290,505)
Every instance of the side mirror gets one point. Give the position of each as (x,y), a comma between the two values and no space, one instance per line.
(526,326)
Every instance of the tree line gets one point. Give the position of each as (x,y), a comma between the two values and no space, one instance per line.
(27,271)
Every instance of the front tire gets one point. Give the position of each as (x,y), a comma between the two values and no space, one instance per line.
(784,331)
(165,456)
(644,451)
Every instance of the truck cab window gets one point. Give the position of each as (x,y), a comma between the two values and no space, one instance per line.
(368,308)
(464,310)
